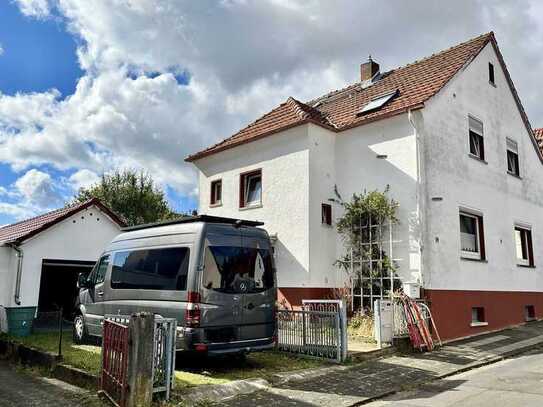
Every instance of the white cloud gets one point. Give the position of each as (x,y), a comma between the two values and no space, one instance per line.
(34,8)
(38,189)
(83,179)
(243,58)
(1,50)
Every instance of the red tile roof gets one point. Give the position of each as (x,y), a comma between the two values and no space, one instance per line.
(538,134)
(20,231)
(416,83)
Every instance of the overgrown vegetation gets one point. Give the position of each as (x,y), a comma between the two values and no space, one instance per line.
(131,194)
(190,371)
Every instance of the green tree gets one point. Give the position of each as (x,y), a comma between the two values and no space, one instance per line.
(131,194)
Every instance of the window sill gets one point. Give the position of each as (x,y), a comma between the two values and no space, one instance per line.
(526,266)
(246,208)
(514,175)
(477,324)
(477,158)
(532,319)
(472,259)
(216,205)
(326,225)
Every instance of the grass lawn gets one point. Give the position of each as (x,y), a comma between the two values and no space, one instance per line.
(190,370)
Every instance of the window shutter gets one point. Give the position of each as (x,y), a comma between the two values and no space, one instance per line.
(476,125)
(481,237)
(530,248)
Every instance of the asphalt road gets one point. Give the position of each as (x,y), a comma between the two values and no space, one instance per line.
(511,383)
(19,388)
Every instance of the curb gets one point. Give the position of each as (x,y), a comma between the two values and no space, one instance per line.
(467,368)
(25,355)
(220,392)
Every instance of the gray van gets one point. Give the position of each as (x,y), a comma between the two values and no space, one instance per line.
(215,275)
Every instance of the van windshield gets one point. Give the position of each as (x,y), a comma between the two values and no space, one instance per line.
(238,270)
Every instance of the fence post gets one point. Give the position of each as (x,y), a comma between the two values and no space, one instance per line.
(140,359)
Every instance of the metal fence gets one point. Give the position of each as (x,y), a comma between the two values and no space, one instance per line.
(163,350)
(318,329)
(114,381)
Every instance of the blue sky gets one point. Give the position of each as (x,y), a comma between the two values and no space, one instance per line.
(89,86)
(39,55)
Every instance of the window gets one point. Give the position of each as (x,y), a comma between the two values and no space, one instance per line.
(216,193)
(471,236)
(98,273)
(523,245)
(326,214)
(238,270)
(476,144)
(478,316)
(491,73)
(151,269)
(529,313)
(250,189)
(378,102)
(512,158)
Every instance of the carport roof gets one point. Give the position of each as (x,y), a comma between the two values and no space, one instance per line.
(20,231)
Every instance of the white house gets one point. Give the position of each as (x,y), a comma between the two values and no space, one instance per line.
(41,257)
(449,135)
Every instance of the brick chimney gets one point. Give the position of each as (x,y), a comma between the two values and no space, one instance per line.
(368,70)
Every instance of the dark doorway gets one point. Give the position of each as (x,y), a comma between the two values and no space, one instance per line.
(58,285)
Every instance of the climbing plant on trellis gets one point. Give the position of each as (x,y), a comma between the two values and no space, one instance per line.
(367,230)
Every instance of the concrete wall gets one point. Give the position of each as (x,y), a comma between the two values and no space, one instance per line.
(455,285)
(284,160)
(359,169)
(83,236)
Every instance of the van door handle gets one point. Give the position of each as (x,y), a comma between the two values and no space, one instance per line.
(250,306)
(100,293)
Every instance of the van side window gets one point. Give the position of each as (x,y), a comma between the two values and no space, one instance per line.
(101,270)
(151,269)
(237,270)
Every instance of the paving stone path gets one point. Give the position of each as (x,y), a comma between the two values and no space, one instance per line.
(356,384)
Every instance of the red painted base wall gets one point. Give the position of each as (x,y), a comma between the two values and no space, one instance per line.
(451,310)
(292,296)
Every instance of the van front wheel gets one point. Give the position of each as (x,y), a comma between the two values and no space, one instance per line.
(80,335)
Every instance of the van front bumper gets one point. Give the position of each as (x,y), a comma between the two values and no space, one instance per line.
(192,339)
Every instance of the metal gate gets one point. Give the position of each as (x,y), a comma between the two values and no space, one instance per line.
(318,329)
(114,381)
(164,334)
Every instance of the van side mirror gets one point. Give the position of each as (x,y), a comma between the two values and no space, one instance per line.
(82,281)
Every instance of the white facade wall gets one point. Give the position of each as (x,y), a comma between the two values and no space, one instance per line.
(284,161)
(7,263)
(462,181)
(80,237)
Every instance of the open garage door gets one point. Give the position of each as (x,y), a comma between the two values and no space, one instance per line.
(58,287)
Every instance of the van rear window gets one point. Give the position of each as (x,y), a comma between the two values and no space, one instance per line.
(238,270)
(153,269)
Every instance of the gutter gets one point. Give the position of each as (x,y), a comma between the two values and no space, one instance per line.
(20,254)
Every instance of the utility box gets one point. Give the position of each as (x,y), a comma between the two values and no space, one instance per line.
(412,290)
(383,326)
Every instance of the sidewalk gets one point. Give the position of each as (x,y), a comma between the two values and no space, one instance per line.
(360,383)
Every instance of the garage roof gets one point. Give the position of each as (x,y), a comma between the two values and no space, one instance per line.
(20,231)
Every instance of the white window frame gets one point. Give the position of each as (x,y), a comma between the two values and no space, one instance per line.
(248,178)
(465,254)
(524,236)
(481,134)
(214,201)
(514,150)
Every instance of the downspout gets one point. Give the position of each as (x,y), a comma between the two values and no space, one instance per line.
(418,191)
(19,251)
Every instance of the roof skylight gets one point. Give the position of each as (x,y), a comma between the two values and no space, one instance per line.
(378,102)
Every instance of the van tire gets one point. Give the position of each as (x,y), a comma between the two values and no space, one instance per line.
(80,334)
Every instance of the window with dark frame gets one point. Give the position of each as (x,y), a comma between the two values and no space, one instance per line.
(491,73)
(216,193)
(326,214)
(472,236)
(512,158)
(476,142)
(523,246)
(478,315)
(529,313)
(250,189)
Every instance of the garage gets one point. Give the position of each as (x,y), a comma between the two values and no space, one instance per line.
(41,257)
